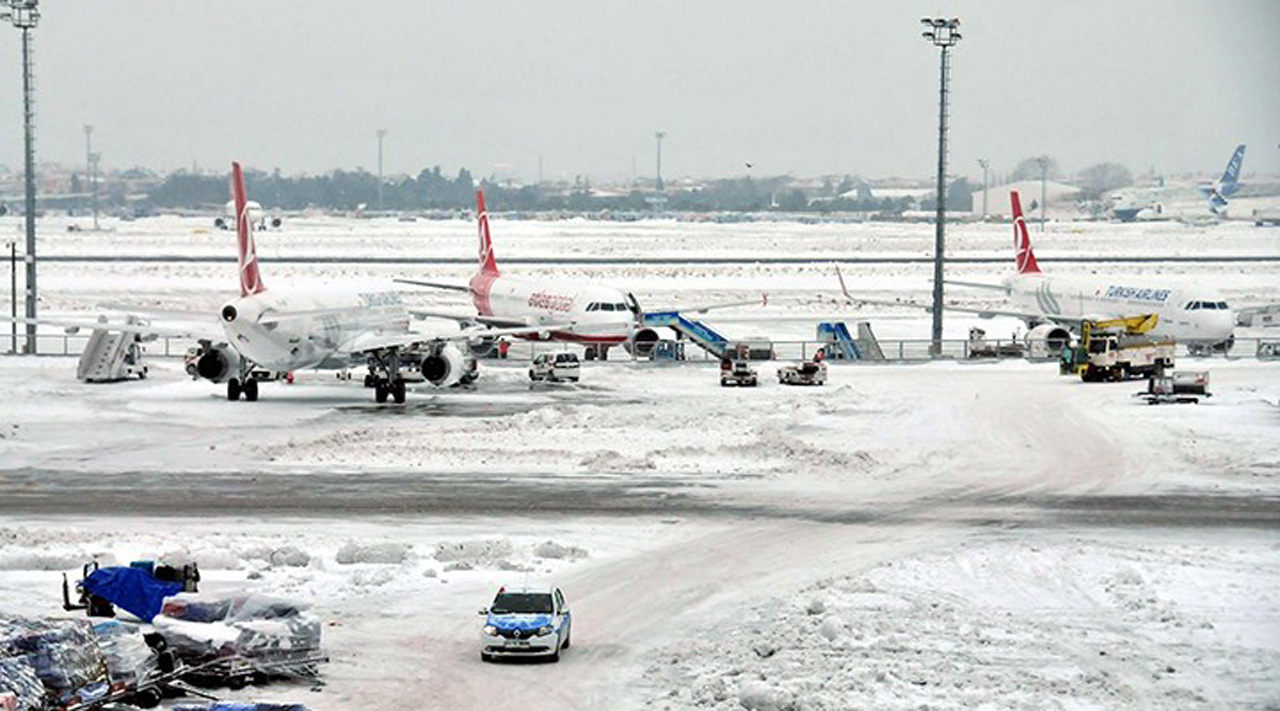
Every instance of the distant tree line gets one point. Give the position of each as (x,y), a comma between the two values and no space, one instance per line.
(432,189)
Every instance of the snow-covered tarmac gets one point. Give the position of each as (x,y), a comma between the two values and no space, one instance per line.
(956,535)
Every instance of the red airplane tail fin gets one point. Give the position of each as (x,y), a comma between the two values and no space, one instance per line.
(488,264)
(1025,258)
(250,278)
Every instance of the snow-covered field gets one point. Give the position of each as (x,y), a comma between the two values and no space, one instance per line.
(949,535)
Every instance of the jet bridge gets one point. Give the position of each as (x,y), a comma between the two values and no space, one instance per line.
(697,332)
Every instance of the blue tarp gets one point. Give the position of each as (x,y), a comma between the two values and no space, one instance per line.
(131,589)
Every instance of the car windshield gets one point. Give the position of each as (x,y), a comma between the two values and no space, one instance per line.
(521,603)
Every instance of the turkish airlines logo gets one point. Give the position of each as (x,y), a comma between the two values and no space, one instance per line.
(250,280)
(1021,244)
(486,247)
(1047,302)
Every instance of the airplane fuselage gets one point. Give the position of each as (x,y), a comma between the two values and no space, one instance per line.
(1187,314)
(600,314)
(299,329)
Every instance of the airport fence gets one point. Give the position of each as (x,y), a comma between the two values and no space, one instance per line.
(895,351)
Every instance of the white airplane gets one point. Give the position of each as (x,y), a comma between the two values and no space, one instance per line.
(601,316)
(256,215)
(1205,203)
(1053,307)
(268,332)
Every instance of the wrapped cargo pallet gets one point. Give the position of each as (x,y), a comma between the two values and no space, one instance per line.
(18,679)
(127,654)
(64,654)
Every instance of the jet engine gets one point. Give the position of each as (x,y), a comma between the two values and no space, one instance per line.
(1047,339)
(446,364)
(641,342)
(218,363)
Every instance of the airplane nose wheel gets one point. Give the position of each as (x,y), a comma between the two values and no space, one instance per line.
(393,390)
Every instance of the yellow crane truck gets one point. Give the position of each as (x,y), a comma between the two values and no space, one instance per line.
(1117,349)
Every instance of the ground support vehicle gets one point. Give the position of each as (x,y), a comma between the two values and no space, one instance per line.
(555,367)
(1117,350)
(737,372)
(806,373)
(1176,388)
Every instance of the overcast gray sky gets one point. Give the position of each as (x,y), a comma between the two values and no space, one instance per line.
(807,87)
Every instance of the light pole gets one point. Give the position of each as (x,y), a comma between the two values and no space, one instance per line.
(1044,175)
(659,135)
(382,133)
(13,297)
(25,15)
(985,164)
(91,171)
(944,34)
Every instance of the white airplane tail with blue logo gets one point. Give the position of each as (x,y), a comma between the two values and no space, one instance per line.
(1228,185)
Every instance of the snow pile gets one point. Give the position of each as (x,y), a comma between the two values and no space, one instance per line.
(1073,624)
(288,556)
(557,551)
(382,553)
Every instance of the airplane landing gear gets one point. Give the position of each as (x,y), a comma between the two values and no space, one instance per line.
(393,389)
(245,384)
(384,378)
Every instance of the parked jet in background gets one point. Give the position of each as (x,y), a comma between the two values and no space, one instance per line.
(1053,307)
(1228,185)
(602,316)
(1180,202)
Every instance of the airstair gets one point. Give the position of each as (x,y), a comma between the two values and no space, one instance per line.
(697,332)
(841,345)
(111,355)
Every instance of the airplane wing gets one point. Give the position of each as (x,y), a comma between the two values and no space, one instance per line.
(703,308)
(469,318)
(145,330)
(978,285)
(981,313)
(434,284)
(155,313)
(409,340)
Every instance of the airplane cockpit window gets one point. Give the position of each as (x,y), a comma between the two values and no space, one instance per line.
(1222,306)
(593,307)
(619,307)
(1193,306)
(606,307)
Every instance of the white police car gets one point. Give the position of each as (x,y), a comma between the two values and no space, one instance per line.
(531,621)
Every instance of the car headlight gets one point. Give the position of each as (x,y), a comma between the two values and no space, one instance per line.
(491,630)
(545,630)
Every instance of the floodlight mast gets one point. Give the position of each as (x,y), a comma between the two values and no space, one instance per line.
(25,15)
(382,134)
(658,136)
(944,34)
(985,165)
